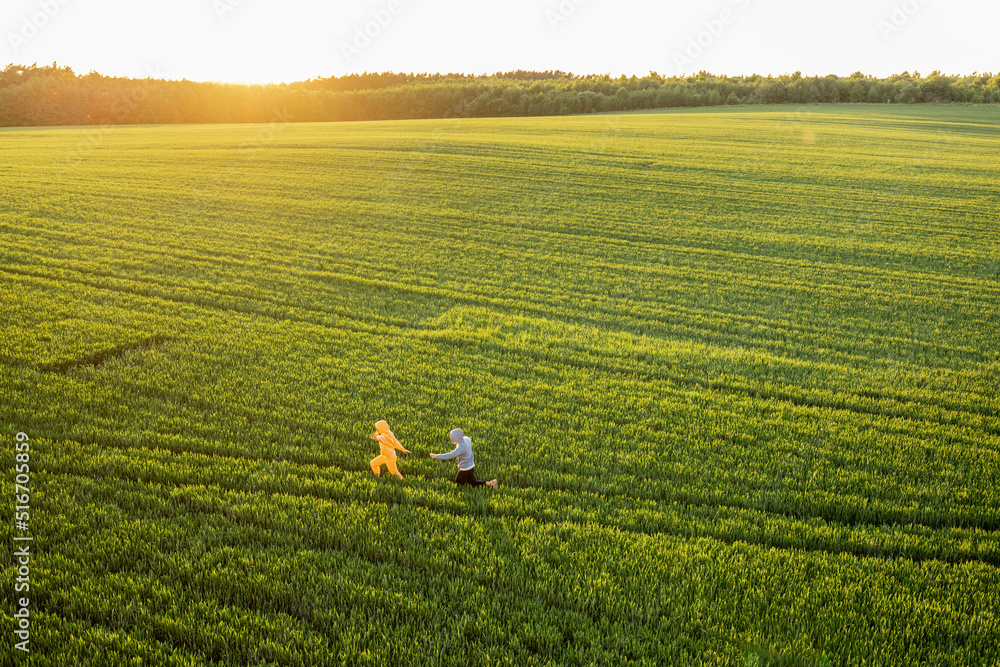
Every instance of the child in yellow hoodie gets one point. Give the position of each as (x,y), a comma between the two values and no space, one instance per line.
(387,443)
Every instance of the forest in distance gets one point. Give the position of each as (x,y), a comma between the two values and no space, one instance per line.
(53,95)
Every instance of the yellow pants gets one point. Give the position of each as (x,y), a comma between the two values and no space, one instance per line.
(378,461)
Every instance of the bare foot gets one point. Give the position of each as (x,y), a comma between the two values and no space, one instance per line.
(492,483)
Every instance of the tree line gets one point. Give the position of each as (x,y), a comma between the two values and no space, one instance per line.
(53,95)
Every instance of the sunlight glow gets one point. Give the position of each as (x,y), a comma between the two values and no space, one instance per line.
(261,41)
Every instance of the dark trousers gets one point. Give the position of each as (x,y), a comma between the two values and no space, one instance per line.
(468,477)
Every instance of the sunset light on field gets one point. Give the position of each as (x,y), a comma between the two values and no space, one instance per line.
(440,333)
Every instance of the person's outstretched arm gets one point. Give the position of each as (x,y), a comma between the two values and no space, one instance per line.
(395,444)
(450,455)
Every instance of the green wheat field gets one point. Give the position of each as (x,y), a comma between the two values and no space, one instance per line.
(735,369)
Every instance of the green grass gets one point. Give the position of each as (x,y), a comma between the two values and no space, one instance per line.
(735,370)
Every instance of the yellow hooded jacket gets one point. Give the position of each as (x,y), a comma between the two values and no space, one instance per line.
(387,440)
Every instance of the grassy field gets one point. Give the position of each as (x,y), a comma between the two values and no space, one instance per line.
(735,369)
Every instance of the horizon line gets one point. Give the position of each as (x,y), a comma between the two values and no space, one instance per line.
(568,74)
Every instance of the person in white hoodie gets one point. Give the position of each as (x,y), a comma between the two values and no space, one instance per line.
(466,463)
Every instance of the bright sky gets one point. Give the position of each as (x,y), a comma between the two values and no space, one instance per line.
(292,40)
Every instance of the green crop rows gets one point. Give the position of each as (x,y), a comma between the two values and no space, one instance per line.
(736,371)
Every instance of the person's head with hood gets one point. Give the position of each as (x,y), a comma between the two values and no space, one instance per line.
(456,436)
(382,428)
